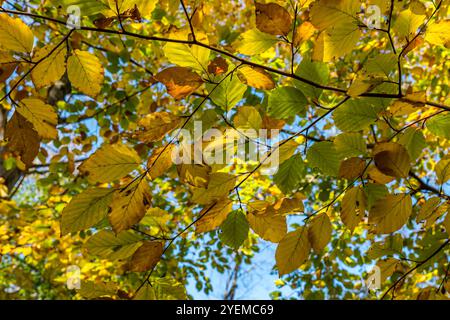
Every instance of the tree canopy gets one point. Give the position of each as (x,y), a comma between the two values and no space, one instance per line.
(118,118)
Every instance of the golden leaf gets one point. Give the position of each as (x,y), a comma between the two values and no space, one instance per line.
(292,251)
(15,35)
(85,72)
(319,231)
(179,81)
(146,256)
(256,77)
(41,115)
(22,138)
(129,205)
(156,125)
(160,161)
(351,168)
(272,18)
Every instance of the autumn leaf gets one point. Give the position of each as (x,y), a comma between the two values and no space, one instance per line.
(146,256)
(15,35)
(292,251)
(179,81)
(272,18)
(128,205)
(156,125)
(41,115)
(22,138)
(85,72)
(109,163)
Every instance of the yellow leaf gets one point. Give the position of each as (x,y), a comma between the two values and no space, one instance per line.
(447,222)
(377,176)
(292,251)
(390,213)
(52,68)
(212,217)
(337,20)
(272,18)
(304,32)
(431,211)
(442,170)
(129,205)
(15,35)
(253,42)
(387,268)
(319,232)
(107,245)
(85,210)
(41,115)
(93,290)
(351,168)
(353,207)
(195,175)
(220,184)
(160,161)
(285,206)
(437,33)
(392,159)
(256,77)
(179,81)
(7,65)
(407,24)
(184,55)
(110,162)
(156,125)
(269,226)
(248,118)
(146,256)
(85,72)
(22,138)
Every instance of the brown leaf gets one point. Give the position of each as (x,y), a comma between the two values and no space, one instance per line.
(146,257)
(160,161)
(272,18)
(179,81)
(104,22)
(22,138)
(213,216)
(156,125)
(351,168)
(218,66)
(6,70)
(392,159)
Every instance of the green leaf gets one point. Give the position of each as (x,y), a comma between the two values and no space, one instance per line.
(254,42)
(414,142)
(289,174)
(350,144)
(87,7)
(354,115)
(107,245)
(162,289)
(440,125)
(317,72)
(228,93)
(85,210)
(234,230)
(285,102)
(324,156)
(374,192)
